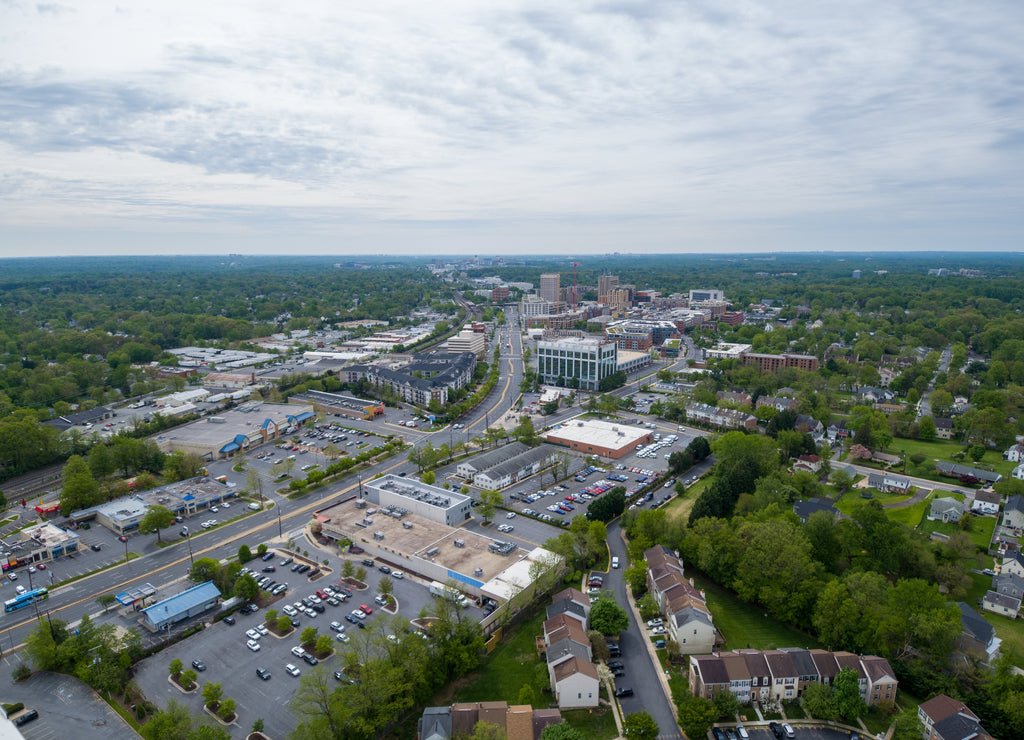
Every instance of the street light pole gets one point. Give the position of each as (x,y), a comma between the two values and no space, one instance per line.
(188,539)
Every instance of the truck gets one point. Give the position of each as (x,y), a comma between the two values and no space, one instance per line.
(439,589)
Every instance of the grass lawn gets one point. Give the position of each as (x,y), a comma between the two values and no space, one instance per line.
(877,721)
(981,532)
(598,723)
(505,671)
(1011,631)
(980,584)
(745,625)
(794,710)
(910,515)
(852,499)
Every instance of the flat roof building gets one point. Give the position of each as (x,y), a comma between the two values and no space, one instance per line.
(187,604)
(603,438)
(429,502)
(577,363)
(45,541)
(224,435)
(184,498)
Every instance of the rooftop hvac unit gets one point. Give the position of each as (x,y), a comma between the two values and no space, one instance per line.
(460,543)
(478,571)
(360,504)
(407,525)
(378,535)
(367,520)
(433,551)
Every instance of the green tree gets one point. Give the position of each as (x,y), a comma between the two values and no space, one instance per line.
(347,569)
(926,429)
(106,601)
(385,587)
(246,587)
(212,694)
(727,705)
(607,617)
(428,477)
(527,696)
(696,715)
(908,725)
(177,723)
(308,636)
(487,731)
(846,695)
(188,679)
(608,506)
(157,518)
(244,553)
(205,569)
(562,731)
(175,667)
(80,489)
(284,623)
(270,616)
(261,549)
(227,709)
(641,726)
(489,502)
(525,432)
(323,645)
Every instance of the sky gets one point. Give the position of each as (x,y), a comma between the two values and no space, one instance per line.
(502,127)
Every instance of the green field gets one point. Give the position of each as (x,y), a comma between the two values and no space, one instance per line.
(981,531)
(745,625)
(505,671)
(1011,631)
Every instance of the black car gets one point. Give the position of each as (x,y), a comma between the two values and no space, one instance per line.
(624,691)
(310,658)
(719,735)
(270,569)
(384,569)
(27,717)
(776,729)
(618,672)
(295,568)
(368,562)
(96,548)
(229,620)
(199,665)
(614,664)
(304,568)
(318,608)
(263,673)
(295,622)
(353,620)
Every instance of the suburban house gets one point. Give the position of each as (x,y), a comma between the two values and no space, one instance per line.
(943,428)
(1013,562)
(808,463)
(1002,604)
(1013,512)
(778,403)
(887,483)
(720,418)
(687,616)
(740,398)
(805,423)
(951,470)
(768,676)
(946,510)
(1018,472)
(804,509)
(568,651)
(977,638)
(837,430)
(945,718)
(1015,453)
(517,722)
(986,503)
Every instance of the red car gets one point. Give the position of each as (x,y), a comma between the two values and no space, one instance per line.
(364,608)
(322,594)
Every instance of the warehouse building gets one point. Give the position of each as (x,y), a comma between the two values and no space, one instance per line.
(603,438)
(234,430)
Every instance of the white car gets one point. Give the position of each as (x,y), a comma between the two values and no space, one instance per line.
(292,670)
(359,614)
(214,509)
(656,622)
(342,637)
(262,629)
(253,645)
(510,515)
(289,610)
(397,574)
(298,652)
(253,634)
(225,505)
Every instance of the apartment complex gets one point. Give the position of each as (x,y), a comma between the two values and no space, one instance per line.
(773,676)
(772,363)
(687,615)
(550,287)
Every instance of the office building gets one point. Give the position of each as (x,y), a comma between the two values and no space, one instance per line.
(576,363)
(550,287)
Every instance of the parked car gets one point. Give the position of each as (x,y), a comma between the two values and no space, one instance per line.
(253,645)
(624,691)
(263,673)
(199,665)
(776,729)
(292,670)
(787,730)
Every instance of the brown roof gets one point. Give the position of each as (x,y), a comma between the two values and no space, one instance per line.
(736,667)
(757,666)
(712,669)
(939,707)
(494,712)
(562,627)
(878,669)
(519,722)
(849,660)
(573,666)
(826,663)
(543,718)
(781,664)
(464,717)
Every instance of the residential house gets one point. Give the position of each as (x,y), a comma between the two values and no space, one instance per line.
(946,718)
(943,428)
(720,418)
(804,509)
(977,638)
(773,675)
(740,398)
(946,510)
(837,430)
(575,684)
(1013,512)
(1002,604)
(887,483)
(688,619)
(1015,453)
(986,503)
(1018,472)
(952,470)
(869,394)
(805,424)
(1013,562)
(517,722)
(886,459)
(808,463)
(779,403)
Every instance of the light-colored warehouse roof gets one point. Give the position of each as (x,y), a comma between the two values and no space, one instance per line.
(598,433)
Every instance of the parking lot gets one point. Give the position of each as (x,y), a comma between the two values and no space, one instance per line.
(222,647)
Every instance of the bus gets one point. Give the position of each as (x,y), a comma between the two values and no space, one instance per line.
(26,599)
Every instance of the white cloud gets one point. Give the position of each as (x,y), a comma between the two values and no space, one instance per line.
(629,126)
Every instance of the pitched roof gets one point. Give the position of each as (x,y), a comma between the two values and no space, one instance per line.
(960,726)
(1005,601)
(573,594)
(1009,584)
(941,706)
(1014,503)
(565,606)
(826,663)
(804,509)
(878,669)
(711,669)
(780,664)
(974,624)
(574,666)
(803,661)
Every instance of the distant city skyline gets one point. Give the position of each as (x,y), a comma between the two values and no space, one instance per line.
(510,127)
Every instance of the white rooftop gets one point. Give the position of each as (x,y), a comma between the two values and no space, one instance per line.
(601,433)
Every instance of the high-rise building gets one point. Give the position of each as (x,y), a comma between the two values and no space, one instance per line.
(550,287)
(605,285)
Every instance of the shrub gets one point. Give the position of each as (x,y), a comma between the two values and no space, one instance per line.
(21,672)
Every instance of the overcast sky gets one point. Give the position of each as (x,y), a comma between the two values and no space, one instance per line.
(493,126)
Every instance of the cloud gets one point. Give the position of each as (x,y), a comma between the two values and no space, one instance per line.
(744,123)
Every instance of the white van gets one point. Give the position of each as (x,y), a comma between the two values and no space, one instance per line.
(254,507)
(615,562)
